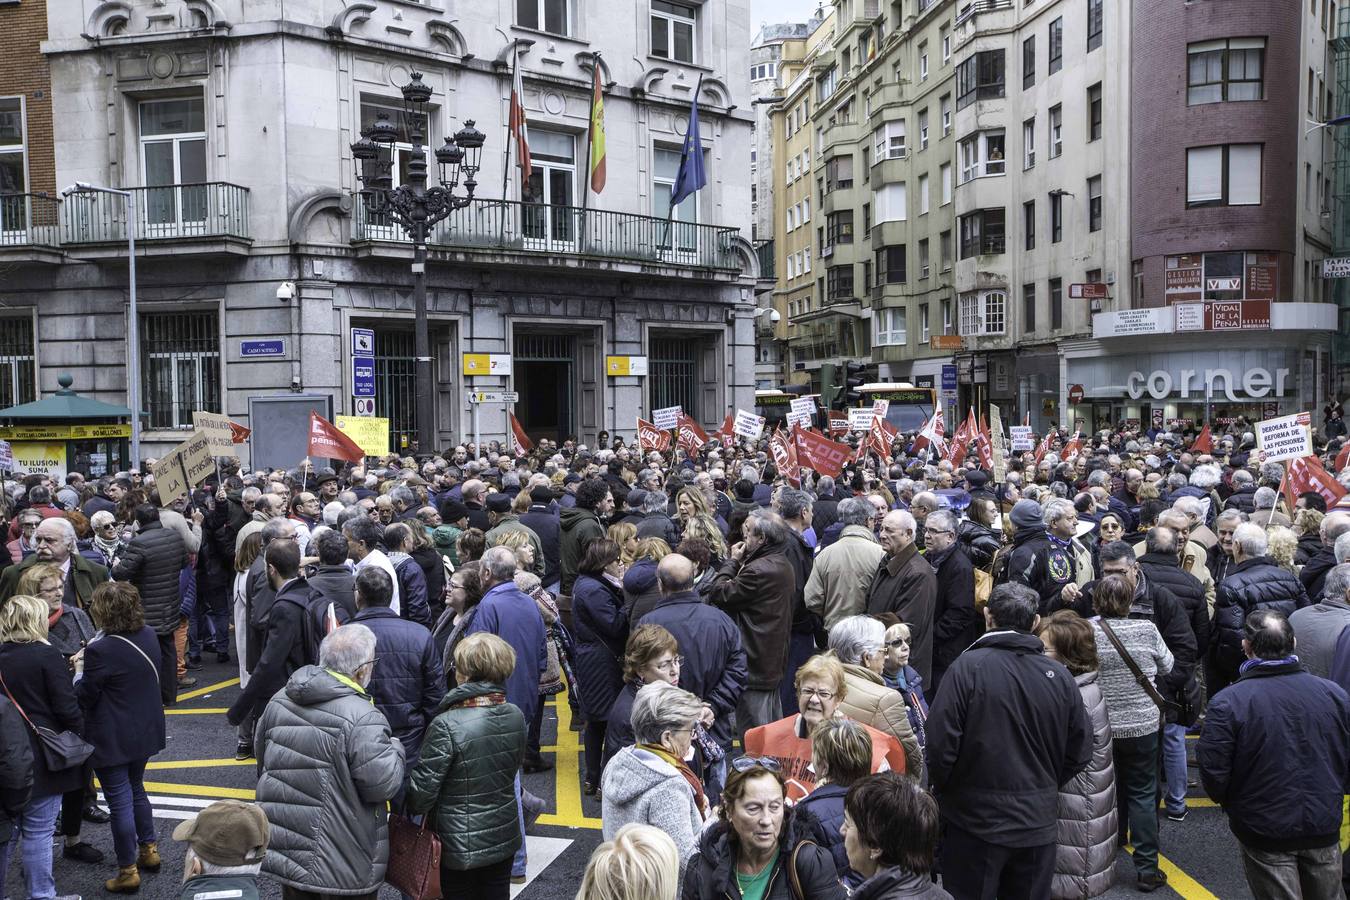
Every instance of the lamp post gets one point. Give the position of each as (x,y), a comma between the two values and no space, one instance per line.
(415,207)
(133,324)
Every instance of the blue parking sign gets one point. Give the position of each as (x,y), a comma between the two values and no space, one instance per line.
(363,377)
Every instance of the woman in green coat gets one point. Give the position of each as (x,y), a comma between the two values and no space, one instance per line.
(465,780)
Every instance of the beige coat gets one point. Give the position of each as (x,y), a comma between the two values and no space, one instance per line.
(842,574)
(868,700)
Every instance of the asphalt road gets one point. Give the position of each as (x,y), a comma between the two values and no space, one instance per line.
(198,767)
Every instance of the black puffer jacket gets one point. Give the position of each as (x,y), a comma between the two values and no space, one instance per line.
(711,872)
(1254,584)
(980,543)
(1165,570)
(152,562)
(1315,571)
(1243,500)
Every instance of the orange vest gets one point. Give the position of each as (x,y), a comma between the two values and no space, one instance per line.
(781,741)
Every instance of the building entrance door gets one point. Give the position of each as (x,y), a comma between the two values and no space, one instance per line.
(544,374)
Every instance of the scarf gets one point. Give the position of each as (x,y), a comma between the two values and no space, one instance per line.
(1291,659)
(495,698)
(108,548)
(55,617)
(693,780)
(396,558)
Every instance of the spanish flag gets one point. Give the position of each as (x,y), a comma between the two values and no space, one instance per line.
(597,133)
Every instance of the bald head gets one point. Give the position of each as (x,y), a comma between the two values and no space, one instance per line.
(675,573)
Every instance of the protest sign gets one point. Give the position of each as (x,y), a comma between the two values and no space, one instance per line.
(667,419)
(748,425)
(1286,437)
(218,430)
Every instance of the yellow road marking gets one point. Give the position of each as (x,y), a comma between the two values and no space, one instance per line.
(218,686)
(1179,881)
(567,774)
(200,763)
(196,790)
(197,712)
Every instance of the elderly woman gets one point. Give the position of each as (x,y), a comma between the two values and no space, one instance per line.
(650,782)
(756,837)
(652,654)
(841,753)
(117,683)
(860,644)
(464,591)
(640,863)
(108,538)
(890,829)
(641,593)
(22,547)
(36,678)
(1087,828)
(900,675)
(600,634)
(1136,718)
(551,680)
(821,687)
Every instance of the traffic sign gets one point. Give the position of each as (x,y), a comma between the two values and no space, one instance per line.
(494,397)
(254,349)
(364,406)
(1076,393)
(363,342)
(363,376)
(487,364)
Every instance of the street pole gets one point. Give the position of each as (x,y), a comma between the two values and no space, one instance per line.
(133,335)
(426,408)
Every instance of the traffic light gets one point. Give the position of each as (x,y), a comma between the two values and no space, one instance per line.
(854,378)
(828,388)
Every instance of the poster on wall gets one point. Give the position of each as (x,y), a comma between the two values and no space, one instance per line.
(1185,278)
(40,458)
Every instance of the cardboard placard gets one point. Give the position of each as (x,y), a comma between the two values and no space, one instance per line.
(198,463)
(748,425)
(1021,438)
(860,418)
(996,439)
(169,478)
(217,429)
(1286,437)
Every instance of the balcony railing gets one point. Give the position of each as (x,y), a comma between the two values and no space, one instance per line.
(975,7)
(29,220)
(542,228)
(170,212)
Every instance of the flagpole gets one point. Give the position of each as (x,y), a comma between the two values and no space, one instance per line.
(670,213)
(506,166)
(590,146)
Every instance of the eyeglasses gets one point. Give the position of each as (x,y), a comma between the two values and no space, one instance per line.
(370,662)
(746,763)
(670,664)
(898,643)
(938,531)
(823,696)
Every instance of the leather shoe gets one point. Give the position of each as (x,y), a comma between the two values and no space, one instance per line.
(193,663)
(93,813)
(82,852)
(536,762)
(243,751)
(222,657)
(1150,883)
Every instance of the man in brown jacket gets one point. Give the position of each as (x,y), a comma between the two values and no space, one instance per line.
(906,585)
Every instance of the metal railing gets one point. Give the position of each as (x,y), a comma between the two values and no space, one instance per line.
(168,212)
(29,220)
(975,7)
(543,228)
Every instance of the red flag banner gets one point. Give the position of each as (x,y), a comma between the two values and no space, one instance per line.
(785,457)
(1308,474)
(523,443)
(652,438)
(326,440)
(1343,457)
(1044,446)
(691,436)
(819,453)
(239,433)
(1204,442)
(960,443)
(1072,446)
(881,436)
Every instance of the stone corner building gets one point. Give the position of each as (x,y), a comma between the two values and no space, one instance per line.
(232,122)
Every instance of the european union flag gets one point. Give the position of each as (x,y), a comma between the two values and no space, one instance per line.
(692,175)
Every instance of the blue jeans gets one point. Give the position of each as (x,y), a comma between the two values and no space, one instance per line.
(133,819)
(1174,766)
(518,863)
(35,827)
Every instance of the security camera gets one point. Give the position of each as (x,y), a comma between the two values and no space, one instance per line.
(286,292)
(774,316)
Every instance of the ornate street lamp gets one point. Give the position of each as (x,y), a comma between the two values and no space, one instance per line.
(416,208)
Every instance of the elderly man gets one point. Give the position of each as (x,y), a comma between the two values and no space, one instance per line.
(923,503)
(1315,571)
(474,492)
(843,571)
(365,539)
(1191,556)
(327,761)
(906,585)
(1219,558)
(154,561)
(1265,514)
(756,586)
(1052,563)
(55,542)
(1319,626)
(1194,509)
(955,620)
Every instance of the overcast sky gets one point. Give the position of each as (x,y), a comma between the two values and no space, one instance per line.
(773,11)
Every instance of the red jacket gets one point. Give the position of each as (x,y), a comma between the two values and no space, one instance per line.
(786,742)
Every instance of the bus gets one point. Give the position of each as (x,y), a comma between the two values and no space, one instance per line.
(910,407)
(773,405)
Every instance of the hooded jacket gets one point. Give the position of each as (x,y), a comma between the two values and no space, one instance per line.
(152,562)
(758,593)
(1086,832)
(577,528)
(639,786)
(328,765)
(711,873)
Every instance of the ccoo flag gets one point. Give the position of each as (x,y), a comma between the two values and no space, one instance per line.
(327,441)
(597,133)
(692,175)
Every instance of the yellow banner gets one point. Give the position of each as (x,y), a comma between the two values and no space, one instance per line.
(616,365)
(63,432)
(369,433)
(40,457)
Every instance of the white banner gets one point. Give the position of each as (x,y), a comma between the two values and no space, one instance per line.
(1021,438)
(860,419)
(1287,437)
(803,412)
(748,425)
(667,419)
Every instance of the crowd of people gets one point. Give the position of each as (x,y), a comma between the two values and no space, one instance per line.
(904,680)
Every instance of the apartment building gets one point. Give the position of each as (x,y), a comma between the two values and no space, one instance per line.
(231,123)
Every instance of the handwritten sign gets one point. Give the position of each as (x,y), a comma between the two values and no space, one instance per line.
(370,433)
(996,438)
(860,418)
(198,463)
(169,478)
(748,425)
(803,412)
(1287,437)
(1021,438)
(217,429)
(666,419)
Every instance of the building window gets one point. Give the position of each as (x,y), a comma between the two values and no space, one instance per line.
(923,129)
(666,171)
(867,219)
(181,372)
(1094,24)
(889,140)
(1056,46)
(1029,143)
(945,171)
(826,84)
(1094,105)
(173,155)
(946,44)
(1056,130)
(1028,62)
(982,233)
(892,265)
(1056,304)
(1094,186)
(672,31)
(543,15)
(891,203)
(1056,216)
(17,367)
(946,306)
(867,277)
(983,313)
(840,283)
(923,195)
(806,260)
(839,173)
(1029,307)
(923,61)
(1137,274)
(923,258)
(945,246)
(1229,70)
(923,323)
(1029,225)
(946,106)
(839,228)
(889,327)
(979,78)
(981,154)
(13,166)
(1225,175)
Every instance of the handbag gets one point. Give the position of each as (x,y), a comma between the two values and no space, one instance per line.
(60,749)
(414,859)
(1165,707)
(794,877)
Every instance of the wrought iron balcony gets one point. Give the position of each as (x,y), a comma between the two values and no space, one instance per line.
(29,220)
(513,226)
(213,210)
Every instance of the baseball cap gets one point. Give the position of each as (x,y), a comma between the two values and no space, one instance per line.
(227,833)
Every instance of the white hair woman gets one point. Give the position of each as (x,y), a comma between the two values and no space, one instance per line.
(860,644)
(639,863)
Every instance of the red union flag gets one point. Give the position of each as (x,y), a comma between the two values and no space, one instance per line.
(523,443)
(1044,446)
(785,457)
(1343,457)
(326,440)
(960,443)
(239,433)
(819,453)
(1308,474)
(652,438)
(691,436)
(1073,446)
(1204,442)
(881,436)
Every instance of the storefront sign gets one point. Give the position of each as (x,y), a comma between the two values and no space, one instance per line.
(1184,278)
(1336,268)
(1190,317)
(1127,322)
(949,378)
(1091,290)
(944,342)
(1263,273)
(64,432)
(40,458)
(1159,384)
(1224,315)
(487,364)
(1288,437)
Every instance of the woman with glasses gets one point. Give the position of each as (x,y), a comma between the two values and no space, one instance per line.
(860,644)
(23,546)
(652,783)
(898,674)
(108,538)
(1110,528)
(652,654)
(760,847)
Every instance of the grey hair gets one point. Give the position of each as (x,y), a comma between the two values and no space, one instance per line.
(1056,508)
(926,499)
(210,868)
(1228,515)
(1242,477)
(944,519)
(793,503)
(854,637)
(1342,548)
(654,502)
(403,495)
(1264,498)
(499,564)
(768,525)
(1098,478)
(273,529)
(1191,507)
(347,648)
(1206,476)
(1334,525)
(1161,539)
(67,530)
(101,518)
(1251,539)
(855,511)
(647,473)
(331,511)
(1176,481)
(1337,584)
(825,484)
(1272,472)
(660,707)
(250,495)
